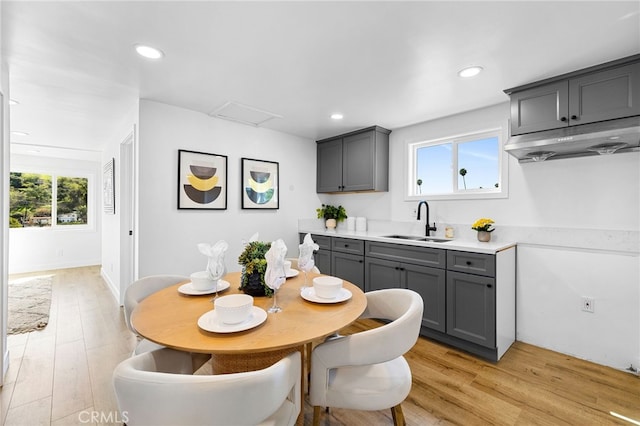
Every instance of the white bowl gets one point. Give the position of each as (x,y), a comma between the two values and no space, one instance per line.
(327,287)
(202,281)
(234,308)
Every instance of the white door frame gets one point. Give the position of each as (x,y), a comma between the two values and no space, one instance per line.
(4,231)
(128,272)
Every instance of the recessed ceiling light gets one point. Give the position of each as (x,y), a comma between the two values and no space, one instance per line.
(470,71)
(337,116)
(148,51)
(17,133)
(13,102)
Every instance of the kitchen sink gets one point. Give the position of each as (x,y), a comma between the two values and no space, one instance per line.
(417,238)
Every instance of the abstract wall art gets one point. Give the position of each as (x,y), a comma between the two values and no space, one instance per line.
(202,180)
(260,184)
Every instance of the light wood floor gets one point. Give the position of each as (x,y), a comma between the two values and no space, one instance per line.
(62,375)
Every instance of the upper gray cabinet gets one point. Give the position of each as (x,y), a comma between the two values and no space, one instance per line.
(356,161)
(600,93)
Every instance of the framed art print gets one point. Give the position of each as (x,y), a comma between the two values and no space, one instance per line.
(202,180)
(260,184)
(108,187)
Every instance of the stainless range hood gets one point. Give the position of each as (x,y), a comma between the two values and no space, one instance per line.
(605,137)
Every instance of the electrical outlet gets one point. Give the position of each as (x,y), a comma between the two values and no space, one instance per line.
(588,304)
(413,212)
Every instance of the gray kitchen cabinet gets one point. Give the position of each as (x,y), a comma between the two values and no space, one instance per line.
(471,308)
(600,93)
(349,267)
(355,161)
(469,298)
(399,266)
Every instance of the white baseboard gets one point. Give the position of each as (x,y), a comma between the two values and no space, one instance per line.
(5,366)
(115,291)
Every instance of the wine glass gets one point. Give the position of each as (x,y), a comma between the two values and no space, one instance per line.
(275,308)
(305,265)
(216,271)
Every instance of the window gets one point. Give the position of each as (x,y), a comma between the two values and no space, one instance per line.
(31,195)
(467,166)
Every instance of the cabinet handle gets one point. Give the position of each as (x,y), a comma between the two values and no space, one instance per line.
(468,263)
(489,286)
(574,117)
(563,118)
(397,268)
(346,246)
(360,261)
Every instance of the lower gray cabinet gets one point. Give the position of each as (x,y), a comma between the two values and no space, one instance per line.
(429,283)
(380,274)
(349,267)
(471,308)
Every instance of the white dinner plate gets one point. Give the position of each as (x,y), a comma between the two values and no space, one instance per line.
(211,322)
(292,273)
(309,294)
(189,290)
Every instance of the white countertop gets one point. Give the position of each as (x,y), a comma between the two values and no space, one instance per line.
(380,235)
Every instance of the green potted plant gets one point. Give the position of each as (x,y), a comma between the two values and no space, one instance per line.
(254,265)
(331,214)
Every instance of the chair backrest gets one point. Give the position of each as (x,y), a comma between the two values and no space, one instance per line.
(149,392)
(402,307)
(142,288)
(294,265)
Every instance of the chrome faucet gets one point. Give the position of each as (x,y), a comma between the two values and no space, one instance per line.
(428,228)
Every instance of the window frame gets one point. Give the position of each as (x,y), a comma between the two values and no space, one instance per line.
(55,173)
(411,148)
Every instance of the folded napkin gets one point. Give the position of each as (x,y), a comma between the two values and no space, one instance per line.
(215,253)
(253,238)
(274,276)
(305,258)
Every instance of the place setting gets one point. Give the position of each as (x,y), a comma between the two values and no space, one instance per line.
(209,281)
(231,314)
(326,289)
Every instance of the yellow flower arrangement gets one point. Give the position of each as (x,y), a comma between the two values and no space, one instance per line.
(483,224)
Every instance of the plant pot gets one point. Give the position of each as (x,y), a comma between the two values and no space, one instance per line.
(331,224)
(484,236)
(253,284)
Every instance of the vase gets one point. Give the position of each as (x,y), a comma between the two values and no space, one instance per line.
(484,236)
(253,284)
(331,224)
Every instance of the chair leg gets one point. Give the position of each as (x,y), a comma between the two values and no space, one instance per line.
(398,416)
(316,415)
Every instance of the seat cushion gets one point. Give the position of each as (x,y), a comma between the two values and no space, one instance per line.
(370,387)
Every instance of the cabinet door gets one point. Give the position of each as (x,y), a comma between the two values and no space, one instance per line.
(381,274)
(471,308)
(430,283)
(329,166)
(358,162)
(348,267)
(322,260)
(540,108)
(605,95)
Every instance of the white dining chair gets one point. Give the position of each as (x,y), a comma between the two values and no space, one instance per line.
(138,291)
(367,370)
(158,388)
(294,265)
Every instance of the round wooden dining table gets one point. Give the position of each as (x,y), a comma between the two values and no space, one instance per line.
(170,318)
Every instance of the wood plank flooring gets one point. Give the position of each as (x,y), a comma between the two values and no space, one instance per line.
(62,375)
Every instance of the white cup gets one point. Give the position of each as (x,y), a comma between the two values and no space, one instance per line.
(202,281)
(327,287)
(351,223)
(234,308)
(287,266)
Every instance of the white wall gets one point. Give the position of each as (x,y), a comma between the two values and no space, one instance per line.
(4,209)
(112,234)
(577,223)
(38,249)
(168,236)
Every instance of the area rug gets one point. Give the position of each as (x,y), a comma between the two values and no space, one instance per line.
(29,303)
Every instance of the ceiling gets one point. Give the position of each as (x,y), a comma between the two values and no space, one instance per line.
(76,76)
